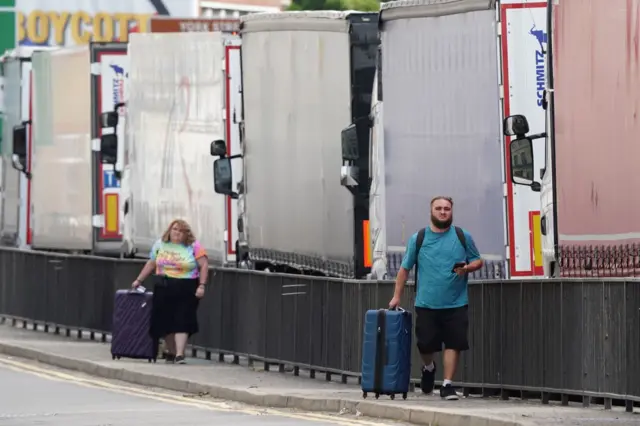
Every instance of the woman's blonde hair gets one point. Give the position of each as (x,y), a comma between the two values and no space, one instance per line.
(184,227)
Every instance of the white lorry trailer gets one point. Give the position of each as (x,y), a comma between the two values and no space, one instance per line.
(57,201)
(178,86)
(305,76)
(17,110)
(15,184)
(441,129)
(587,193)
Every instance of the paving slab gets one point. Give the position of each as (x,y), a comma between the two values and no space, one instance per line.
(253,385)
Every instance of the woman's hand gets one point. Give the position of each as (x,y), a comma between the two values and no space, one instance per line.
(200,291)
(136,284)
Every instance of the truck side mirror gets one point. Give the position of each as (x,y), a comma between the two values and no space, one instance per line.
(20,142)
(515,125)
(109,148)
(218,149)
(349,139)
(109,120)
(521,154)
(19,149)
(223,177)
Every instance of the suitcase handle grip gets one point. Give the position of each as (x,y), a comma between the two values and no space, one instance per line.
(397,308)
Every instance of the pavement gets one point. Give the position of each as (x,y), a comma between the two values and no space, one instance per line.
(254,386)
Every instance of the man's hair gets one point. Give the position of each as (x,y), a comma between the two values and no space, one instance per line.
(442,197)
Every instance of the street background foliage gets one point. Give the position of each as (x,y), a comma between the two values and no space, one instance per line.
(360,5)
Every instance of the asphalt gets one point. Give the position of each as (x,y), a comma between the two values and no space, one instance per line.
(33,396)
(251,385)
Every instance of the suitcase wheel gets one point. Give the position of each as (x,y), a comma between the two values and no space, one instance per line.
(113,357)
(393,396)
(364,395)
(404,395)
(377,395)
(118,358)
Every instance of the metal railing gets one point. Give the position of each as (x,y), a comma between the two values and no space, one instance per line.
(560,338)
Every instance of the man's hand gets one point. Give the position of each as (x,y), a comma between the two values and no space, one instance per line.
(471,267)
(394,303)
(461,270)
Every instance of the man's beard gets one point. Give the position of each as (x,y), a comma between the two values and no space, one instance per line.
(441,224)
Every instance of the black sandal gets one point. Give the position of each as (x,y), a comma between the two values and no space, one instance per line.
(168,357)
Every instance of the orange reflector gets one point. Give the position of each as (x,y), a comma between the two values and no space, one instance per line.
(366,243)
(537,239)
(111,214)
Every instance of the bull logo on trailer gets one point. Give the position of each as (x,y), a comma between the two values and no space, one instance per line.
(541,38)
(540,35)
(117,85)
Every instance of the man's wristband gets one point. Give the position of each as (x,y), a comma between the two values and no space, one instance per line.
(201,285)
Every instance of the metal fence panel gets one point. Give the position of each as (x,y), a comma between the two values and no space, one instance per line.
(631,327)
(579,336)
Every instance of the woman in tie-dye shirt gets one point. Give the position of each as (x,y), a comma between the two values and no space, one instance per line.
(181,267)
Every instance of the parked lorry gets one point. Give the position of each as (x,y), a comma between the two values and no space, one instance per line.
(16,66)
(523,39)
(57,195)
(183,93)
(15,186)
(440,133)
(232,103)
(305,76)
(586,182)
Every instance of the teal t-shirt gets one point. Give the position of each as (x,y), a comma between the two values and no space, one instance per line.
(438,286)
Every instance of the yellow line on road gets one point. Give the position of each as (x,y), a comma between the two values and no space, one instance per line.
(174,399)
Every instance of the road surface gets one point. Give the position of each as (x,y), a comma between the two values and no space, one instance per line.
(35,394)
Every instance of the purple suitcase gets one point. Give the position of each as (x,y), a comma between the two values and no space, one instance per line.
(130,337)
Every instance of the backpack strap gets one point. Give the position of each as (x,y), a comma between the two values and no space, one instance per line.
(419,241)
(462,238)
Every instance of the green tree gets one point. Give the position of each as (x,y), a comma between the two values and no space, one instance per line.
(360,5)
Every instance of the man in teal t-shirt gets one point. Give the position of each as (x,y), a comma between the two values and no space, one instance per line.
(441,298)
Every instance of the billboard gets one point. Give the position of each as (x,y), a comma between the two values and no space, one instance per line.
(7,41)
(78,22)
(165,24)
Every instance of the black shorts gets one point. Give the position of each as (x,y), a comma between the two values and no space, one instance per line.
(435,327)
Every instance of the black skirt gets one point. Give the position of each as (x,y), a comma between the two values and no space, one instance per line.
(175,307)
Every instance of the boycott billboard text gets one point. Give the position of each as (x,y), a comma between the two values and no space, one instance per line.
(53,28)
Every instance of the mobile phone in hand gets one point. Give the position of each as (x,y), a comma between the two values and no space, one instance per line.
(458,265)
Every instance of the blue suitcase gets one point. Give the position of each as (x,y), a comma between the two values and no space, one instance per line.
(386,353)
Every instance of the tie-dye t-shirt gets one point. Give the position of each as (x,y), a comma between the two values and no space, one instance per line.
(177,260)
